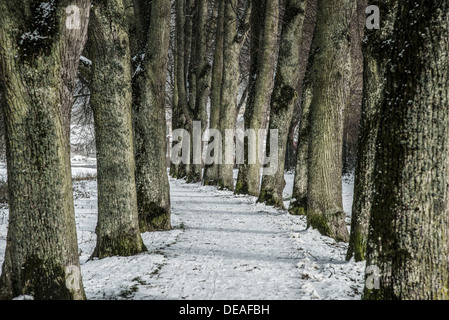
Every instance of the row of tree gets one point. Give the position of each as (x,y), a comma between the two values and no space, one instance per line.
(400,216)
(41,45)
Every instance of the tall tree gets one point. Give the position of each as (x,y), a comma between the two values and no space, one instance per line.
(111,100)
(234,36)
(298,204)
(153,190)
(201,70)
(408,239)
(211,170)
(183,115)
(330,61)
(374,82)
(264,34)
(40,47)
(284,96)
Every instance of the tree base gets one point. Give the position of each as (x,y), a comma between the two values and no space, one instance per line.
(271,198)
(298,207)
(331,224)
(123,246)
(156,219)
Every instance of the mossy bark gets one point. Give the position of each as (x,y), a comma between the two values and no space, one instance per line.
(264,37)
(111,99)
(283,98)
(330,93)
(374,81)
(211,170)
(409,238)
(39,59)
(153,190)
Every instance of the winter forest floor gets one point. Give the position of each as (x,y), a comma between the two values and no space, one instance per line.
(221,247)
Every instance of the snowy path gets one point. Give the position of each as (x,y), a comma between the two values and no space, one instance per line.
(230,249)
(221,247)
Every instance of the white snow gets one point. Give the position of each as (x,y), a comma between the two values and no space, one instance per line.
(222,246)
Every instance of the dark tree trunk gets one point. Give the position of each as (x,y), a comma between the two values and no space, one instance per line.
(211,170)
(374,83)
(283,98)
(264,32)
(408,242)
(153,190)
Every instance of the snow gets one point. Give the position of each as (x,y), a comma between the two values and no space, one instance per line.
(221,247)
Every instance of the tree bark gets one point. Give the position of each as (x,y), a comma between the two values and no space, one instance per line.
(234,36)
(408,240)
(40,47)
(153,190)
(329,97)
(111,100)
(264,28)
(374,82)
(201,71)
(211,170)
(284,96)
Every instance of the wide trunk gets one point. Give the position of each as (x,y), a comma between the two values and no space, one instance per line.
(111,100)
(331,69)
(408,242)
(40,47)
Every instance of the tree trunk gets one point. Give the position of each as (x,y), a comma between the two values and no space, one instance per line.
(330,50)
(211,170)
(408,241)
(111,100)
(153,190)
(233,38)
(40,47)
(264,28)
(284,96)
(298,203)
(201,72)
(374,82)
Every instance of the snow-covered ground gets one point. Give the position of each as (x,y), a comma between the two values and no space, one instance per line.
(222,246)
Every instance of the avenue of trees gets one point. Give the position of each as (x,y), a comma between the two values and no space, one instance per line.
(343,97)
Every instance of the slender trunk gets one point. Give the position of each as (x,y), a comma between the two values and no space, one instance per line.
(111,100)
(408,242)
(211,170)
(38,73)
(232,43)
(201,73)
(284,96)
(298,203)
(329,97)
(153,190)
(248,181)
